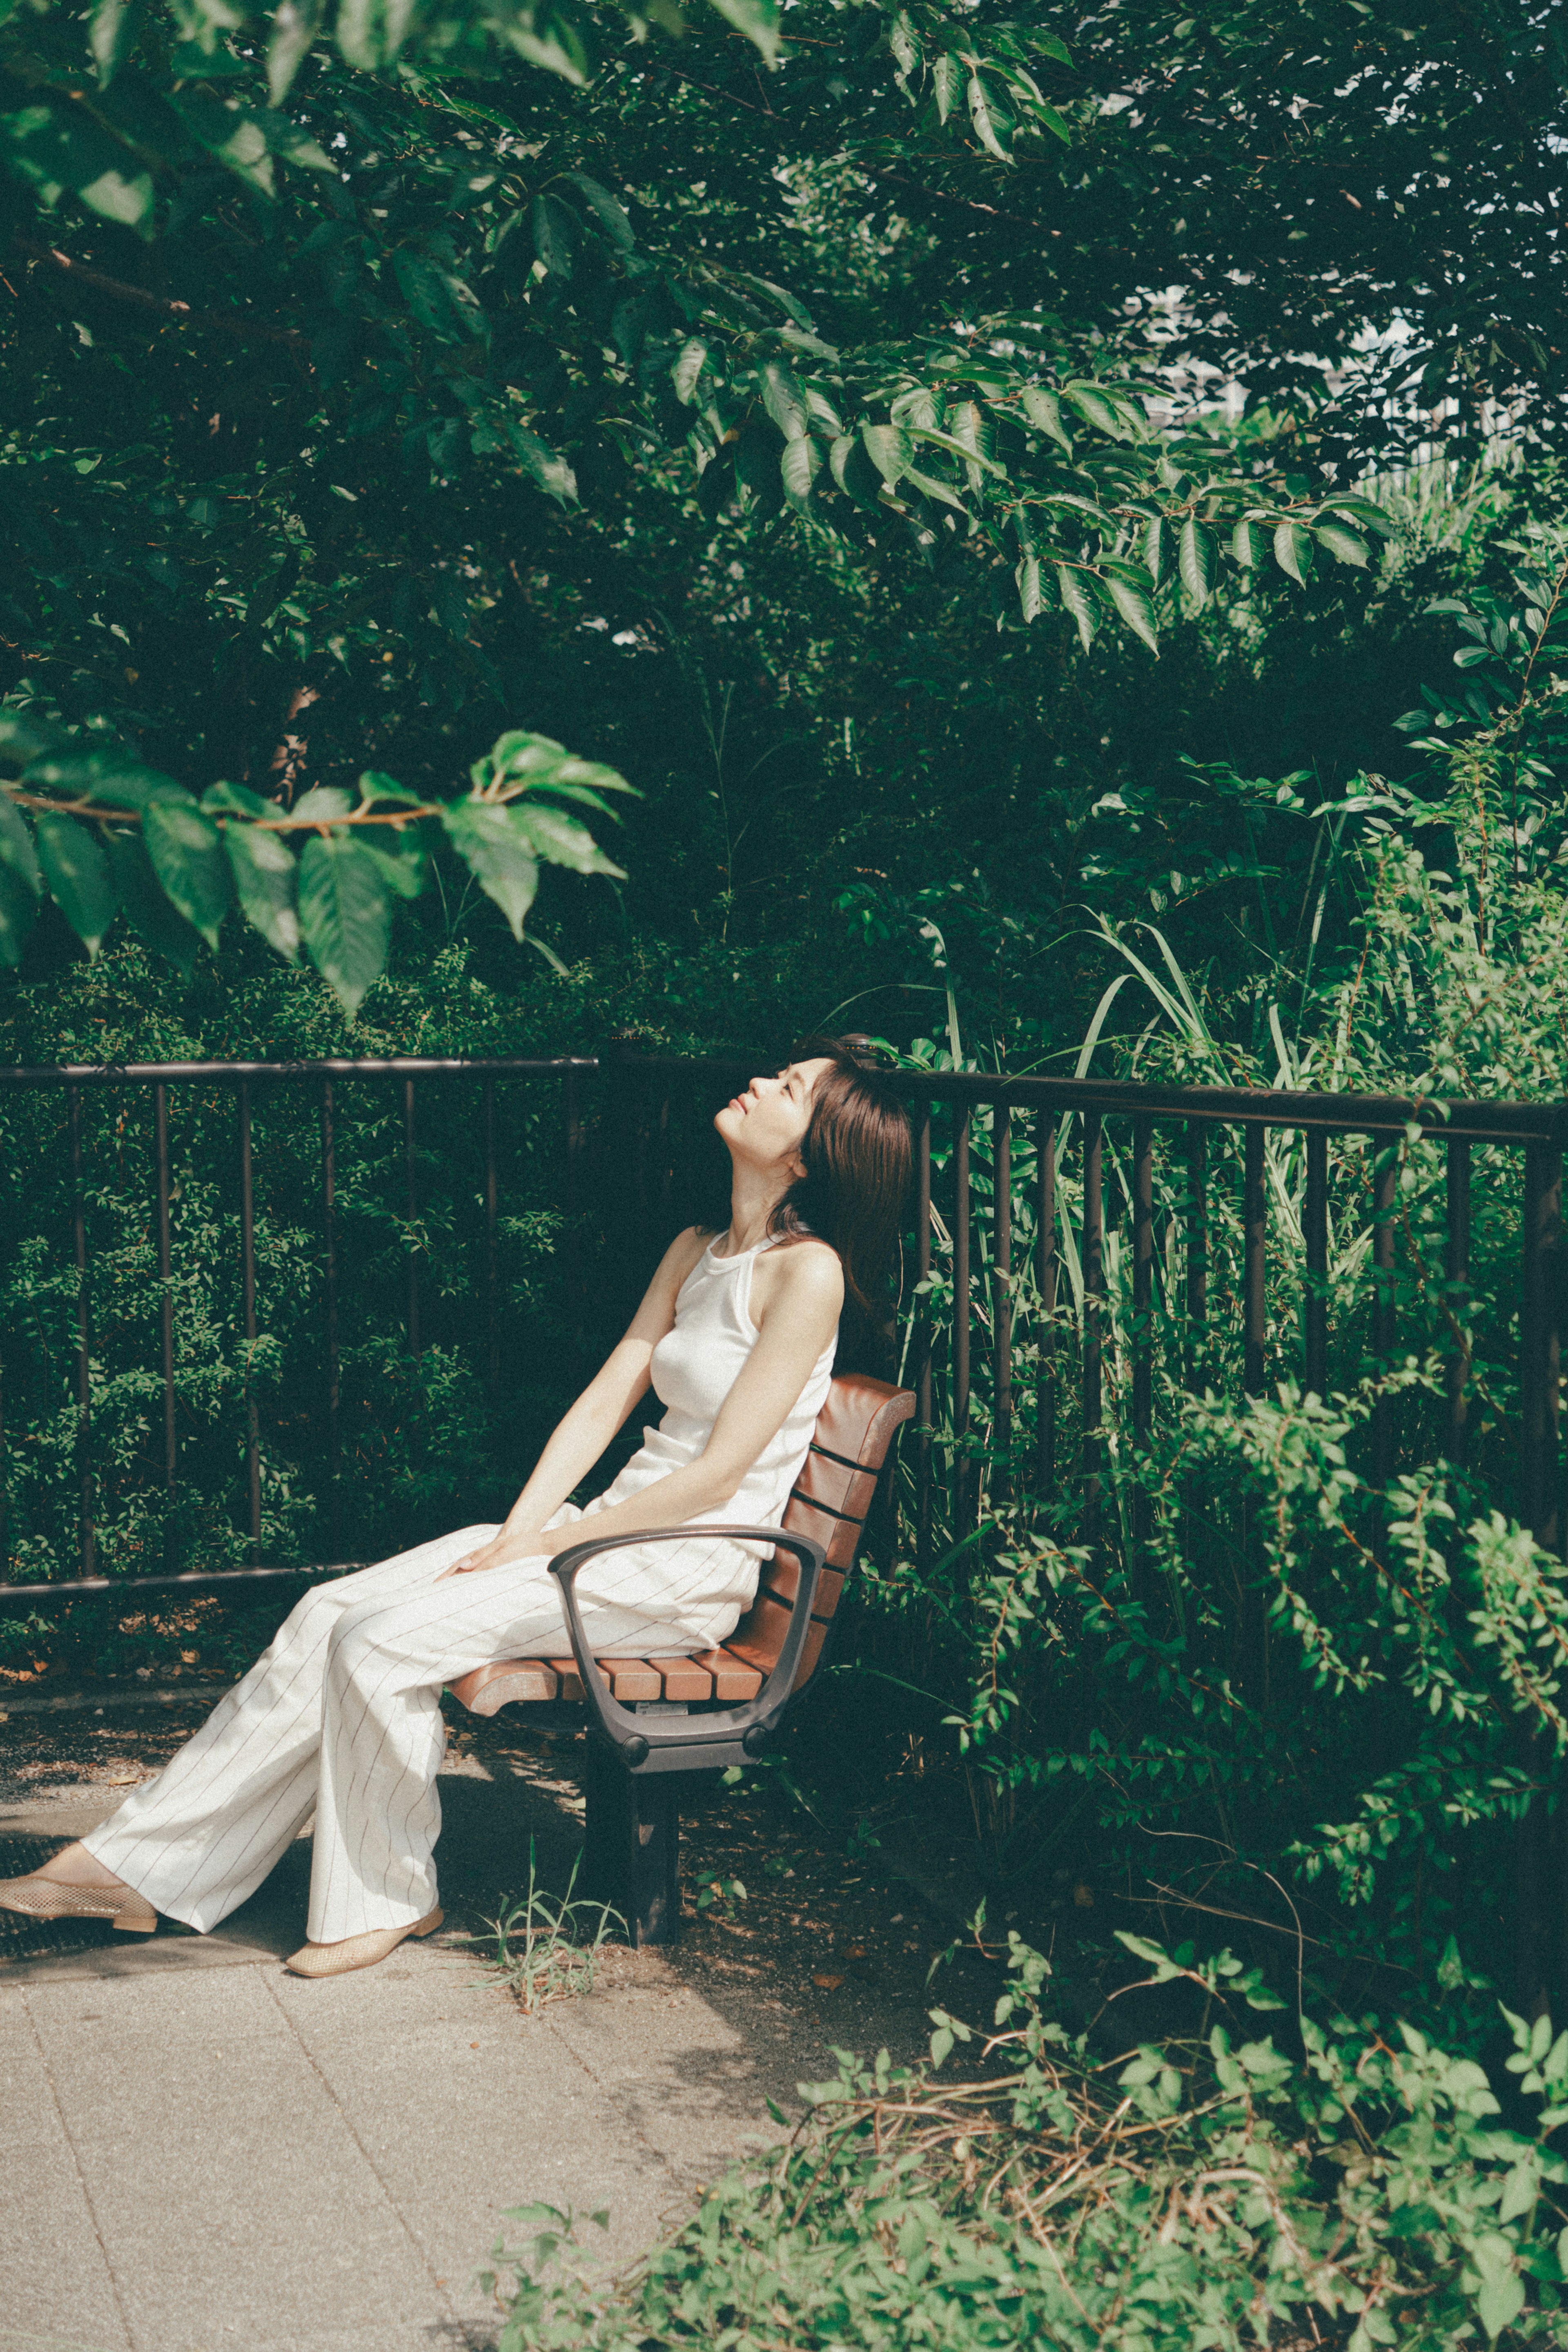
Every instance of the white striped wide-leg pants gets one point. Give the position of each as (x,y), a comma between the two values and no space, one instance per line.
(342,1716)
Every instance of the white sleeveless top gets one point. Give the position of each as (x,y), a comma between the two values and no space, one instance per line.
(675,1597)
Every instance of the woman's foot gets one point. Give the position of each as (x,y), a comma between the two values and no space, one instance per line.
(358,1951)
(73,1884)
(74,1866)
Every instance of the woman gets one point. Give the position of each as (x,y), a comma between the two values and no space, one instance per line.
(342,1716)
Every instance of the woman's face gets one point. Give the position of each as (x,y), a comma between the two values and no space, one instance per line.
(765,1127)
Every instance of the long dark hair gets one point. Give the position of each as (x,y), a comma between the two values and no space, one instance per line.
(856,1151)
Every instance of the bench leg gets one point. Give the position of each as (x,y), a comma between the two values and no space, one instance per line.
(632,1846)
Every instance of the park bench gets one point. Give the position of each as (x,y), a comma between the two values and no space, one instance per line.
(654,1722)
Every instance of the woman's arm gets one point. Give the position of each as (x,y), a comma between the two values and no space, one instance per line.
(581,1434)
(794,1328)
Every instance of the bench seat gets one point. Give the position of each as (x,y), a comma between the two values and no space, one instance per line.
(634,1767)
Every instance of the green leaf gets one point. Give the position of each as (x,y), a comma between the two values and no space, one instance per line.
(562,841)
(371,32)
(612,215)
(79,879)
(784,400)
(147,908)
(295,26)
(230,133)
(1028,578)
(688,371)
(555,234)
(438,299)
(545,467)
(113,23)
(1195,561)
(498,851)
(187,853)
(400,859)
(266,877)
(854,473)
(799,463)
(1134,606)
(890,448)
(54,152)
(547,36)
(1293,550)
(1246,545)
(961,446)
(1077,600)
(321,805)
(18,912)
(1344,546)
(983,116)
(1096,406)
(17,855)
(1044,409)
(757,19)
(930,488)
(345,915)
(947,79)
(20,882)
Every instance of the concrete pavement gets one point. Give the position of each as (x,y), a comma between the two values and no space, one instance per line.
(198,2151)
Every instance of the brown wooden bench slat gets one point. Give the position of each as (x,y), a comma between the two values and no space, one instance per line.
(571,1680)
(683,1678)
(781,1577)
(630,1679)
(489,1688)
(734,1681)
(847,1493)
(760,1639)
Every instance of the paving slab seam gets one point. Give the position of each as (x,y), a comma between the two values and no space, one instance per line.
(681,2188)
(80,2172)
(453,2317)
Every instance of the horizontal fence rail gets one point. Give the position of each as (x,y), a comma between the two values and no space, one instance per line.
(1027,1189)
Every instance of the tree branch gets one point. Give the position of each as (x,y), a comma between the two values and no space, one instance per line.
(221,323)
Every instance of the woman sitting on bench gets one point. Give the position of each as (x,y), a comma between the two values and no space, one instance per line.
(341,1717)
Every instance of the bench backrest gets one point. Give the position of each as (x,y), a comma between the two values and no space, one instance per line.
(830,1501)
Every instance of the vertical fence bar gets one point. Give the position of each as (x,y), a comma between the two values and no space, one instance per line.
(1143,1310)
(87,1534)
(329,1273)
(1093,1250)
(1315,1232)
(571,1116)
(492,1285)
(960,1319)
(1540,1368)
(1254,1233)
(165,1310)
(1385,1187)
(1538,1840)
(1457,1268)
(411,1319)
(1002,1299)
(247,1262)
(1046,1271)
(922,1341)
(1196,1248)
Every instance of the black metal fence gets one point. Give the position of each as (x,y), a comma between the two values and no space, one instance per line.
(1076,1249)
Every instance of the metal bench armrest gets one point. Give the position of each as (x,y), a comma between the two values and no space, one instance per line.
(694,1743)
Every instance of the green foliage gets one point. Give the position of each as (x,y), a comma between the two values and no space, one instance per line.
(549,1948)
(1209,2189)
(193,864)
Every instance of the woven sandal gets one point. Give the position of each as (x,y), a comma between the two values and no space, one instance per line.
(358,1951)
(53,1898)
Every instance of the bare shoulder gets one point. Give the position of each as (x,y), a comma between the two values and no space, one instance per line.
(805,1270)
(684,1253)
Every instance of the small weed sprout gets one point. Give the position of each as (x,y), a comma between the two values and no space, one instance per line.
(549,1949)
(716,1894)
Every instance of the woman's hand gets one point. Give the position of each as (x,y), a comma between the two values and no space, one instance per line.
(499,1552)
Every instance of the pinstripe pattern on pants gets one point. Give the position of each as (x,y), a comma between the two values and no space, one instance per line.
(342,1716)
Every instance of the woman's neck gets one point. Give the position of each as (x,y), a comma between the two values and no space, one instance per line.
(752,1201)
